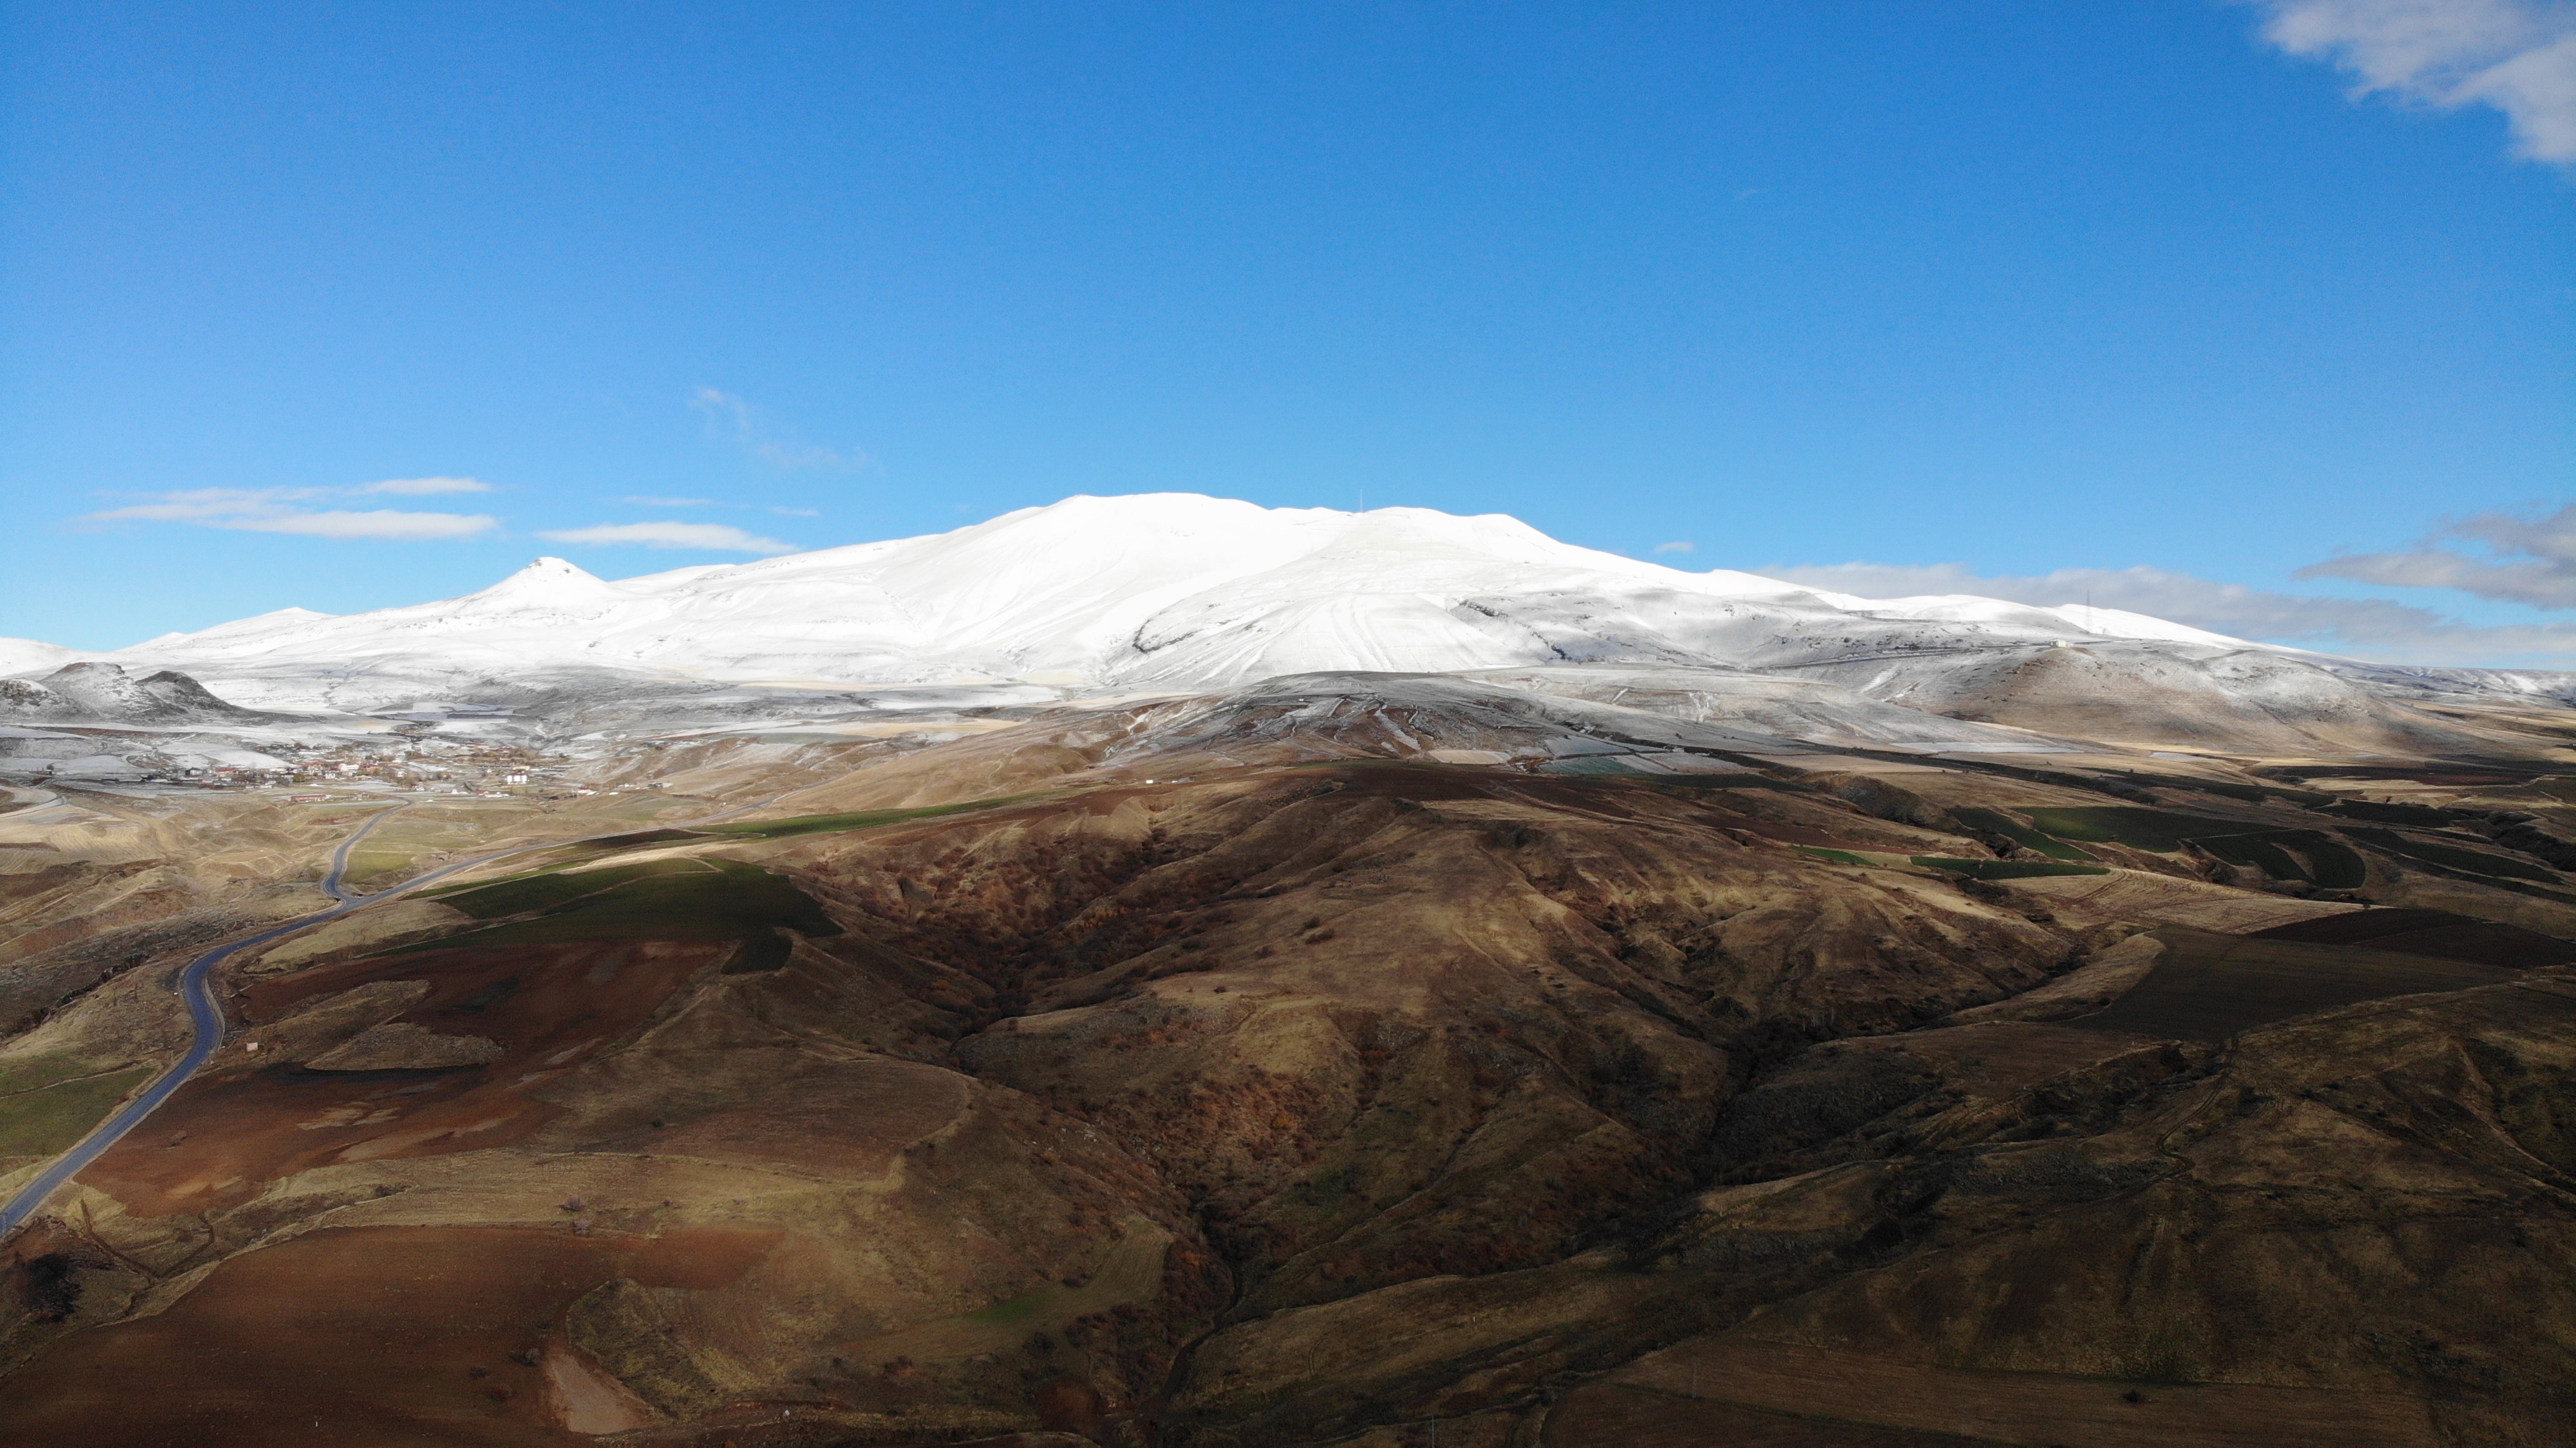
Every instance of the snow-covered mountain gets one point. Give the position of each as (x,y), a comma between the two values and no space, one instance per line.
(1176,593)
(17,656)
(1168,590)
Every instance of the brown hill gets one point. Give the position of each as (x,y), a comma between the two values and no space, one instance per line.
(1302,1097)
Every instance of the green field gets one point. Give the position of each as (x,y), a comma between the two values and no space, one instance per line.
(635,841)
(366,864)
(2208,987)
(1733,781)
(1998,823)
(40,1071)
(2255,852)
(786,828)
(1596,766)
(2473,862)
(2372,812)
(2159,831)
(655,900)
(394,848)
(551,888)
(2309,855)
(2331,863)
(1839,857)
(858,820)
(2318,858)
(2006,869)
(43,1121)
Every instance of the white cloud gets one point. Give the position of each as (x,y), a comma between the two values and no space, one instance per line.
(2518,56)
(711,537)
(279,510)
(752,431)
(201,505)
(1681,546)
(649,501)
(2364,627)
(798,512)
(716,402)
(2528,560)
(373,523)
(423,487)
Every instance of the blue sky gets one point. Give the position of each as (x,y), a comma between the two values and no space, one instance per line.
(2256,315)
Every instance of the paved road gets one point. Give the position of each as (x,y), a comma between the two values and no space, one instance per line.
(209,1021)
(209,1018)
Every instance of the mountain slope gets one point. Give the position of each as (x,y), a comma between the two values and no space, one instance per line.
(110,694)
(1232,1071)
(1176,593)
(1155,590)
(20,655)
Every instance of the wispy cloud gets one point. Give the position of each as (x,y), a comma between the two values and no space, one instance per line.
(716,403)
(374,523)
(649,501)
(2364,627)
(708,537)
(755,432)
(2528,560)
(2518,56)
(1680,546)
(798,512)
(424,487)
(291,510)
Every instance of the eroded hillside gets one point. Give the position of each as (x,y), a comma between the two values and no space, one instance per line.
(1327,1068)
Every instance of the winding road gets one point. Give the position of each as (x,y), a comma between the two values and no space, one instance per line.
(209,1017)
(209,1021)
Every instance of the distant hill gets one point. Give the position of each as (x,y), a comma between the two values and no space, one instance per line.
(111,694)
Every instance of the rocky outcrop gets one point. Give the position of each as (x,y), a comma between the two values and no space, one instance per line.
(112,694)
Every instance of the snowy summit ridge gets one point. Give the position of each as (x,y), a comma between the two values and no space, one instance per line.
(1164,590)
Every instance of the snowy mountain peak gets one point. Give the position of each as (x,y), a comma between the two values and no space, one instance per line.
(552,586)
(1157,590)
(549,578)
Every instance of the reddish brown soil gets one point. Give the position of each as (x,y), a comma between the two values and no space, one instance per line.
(244,1130)
(534,997)
(1611,1415)
(1368,1025)
(1928,1404)
(352,1336)
(2436,933)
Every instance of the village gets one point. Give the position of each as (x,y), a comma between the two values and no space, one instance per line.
(404,763)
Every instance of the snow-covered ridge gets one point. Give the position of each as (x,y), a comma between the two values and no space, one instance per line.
(18,656)
(1153,590)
